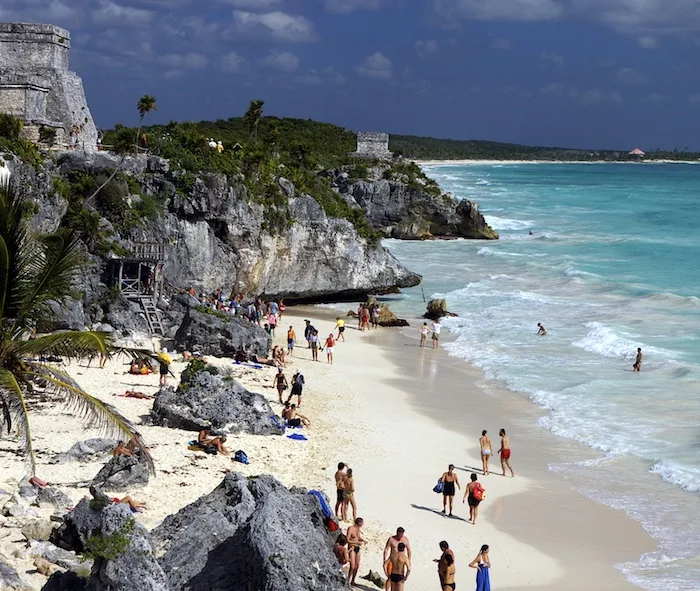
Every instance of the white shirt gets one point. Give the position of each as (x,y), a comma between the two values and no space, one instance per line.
(436,327)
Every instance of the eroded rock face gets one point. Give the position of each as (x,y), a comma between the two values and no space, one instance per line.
(86,450)
(122,473)
(220,334)
(253,530)
(214,400)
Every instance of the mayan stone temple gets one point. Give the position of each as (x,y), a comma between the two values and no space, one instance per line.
(37,87)
(373,145)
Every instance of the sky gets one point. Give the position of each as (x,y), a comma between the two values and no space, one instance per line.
(570,73)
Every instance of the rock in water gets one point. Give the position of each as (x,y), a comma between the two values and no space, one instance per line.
(437,309)
(220,334)
(253,530)
(122,473)
(209,399)
(120,546)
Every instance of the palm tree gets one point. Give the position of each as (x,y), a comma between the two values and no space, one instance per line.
(253,116)
(36,271)
(146,104)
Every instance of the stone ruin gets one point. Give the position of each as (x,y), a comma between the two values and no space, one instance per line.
(373,145)
(37,87)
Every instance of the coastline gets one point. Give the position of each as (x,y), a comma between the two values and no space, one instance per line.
(398,423)
(502,162)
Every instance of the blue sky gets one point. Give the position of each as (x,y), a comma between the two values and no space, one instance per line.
(583,73)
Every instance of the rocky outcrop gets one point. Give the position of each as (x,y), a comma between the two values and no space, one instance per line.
(122,473)
(220,334)
(407,211)
(437,309)
(85,451)
(208,399)
(253,530)
(120,546)
(9,578)
(388,319)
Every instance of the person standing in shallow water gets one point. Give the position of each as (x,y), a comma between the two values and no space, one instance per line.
(505,452)
(541,330)
(638,360)
(424,330)
(436,333)
(482,564)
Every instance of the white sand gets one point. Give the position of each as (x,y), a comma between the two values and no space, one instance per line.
(396,453)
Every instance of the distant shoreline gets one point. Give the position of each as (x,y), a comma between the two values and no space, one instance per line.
(499,162)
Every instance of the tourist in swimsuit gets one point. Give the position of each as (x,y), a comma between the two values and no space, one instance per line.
(349,496)
(505,452)
(424,330)
(486,451)
(121,450)
(392,548)
(398,568)
(482,563)
(294,419)
(375,317)
(442,561)
(449,480)
(448,581)
(340,507)
(355,542)
(291,338)
(340,549)
(280,383)
(330,342)
(474,494)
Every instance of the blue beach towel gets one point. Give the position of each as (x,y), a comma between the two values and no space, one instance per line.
(253,365)
(297,437)
(439,487)
(322,501)
(275,422)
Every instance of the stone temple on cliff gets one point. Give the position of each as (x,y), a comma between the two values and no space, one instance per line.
(373,145)
(37,87)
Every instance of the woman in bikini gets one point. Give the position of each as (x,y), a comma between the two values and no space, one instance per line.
(349,487)
(474,495)
(424,330)
(340,549)
(281,383)
(482,564)
(448,582)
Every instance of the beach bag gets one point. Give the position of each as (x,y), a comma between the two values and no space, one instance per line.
(240,456)
(479,493)
(331,524)
(439,487)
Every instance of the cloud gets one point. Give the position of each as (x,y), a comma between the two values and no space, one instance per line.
(376,66)
(499,10)
(278,25)
(113,15)
(172,74)
(259,5)
(284,61)
(427,49)
(323,76)
(500,43)
(631,77)
(647,42)
(232,62)
(552,58)
(347,6)
(193,61)
(591,96)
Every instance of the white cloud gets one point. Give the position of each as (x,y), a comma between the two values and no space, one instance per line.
(631,77)
(194,61)
(347,6)
(506,10)
(376,66)
(647,42)
(260,5)
(323,76)
(284,61)
(552,58)
(500,43)
(172,74)
(427,49)
(232,62)
(278,25)
(113,15)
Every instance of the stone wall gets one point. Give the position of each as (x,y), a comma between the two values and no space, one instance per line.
(373,145)
(34,71)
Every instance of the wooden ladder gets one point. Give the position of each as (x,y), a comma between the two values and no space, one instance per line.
(155,324)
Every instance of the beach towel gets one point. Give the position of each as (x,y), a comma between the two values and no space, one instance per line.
(207,449)
(297,437)
(483,581)
(321,501)
(253,365)
(240,456)
(274,420)
(439,487)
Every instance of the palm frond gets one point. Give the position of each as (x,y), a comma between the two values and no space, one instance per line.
(14,404)
(5,407)
(93,410)
(69,345)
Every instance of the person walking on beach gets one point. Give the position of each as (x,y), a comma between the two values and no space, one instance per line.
(638,360)
(291,339)
(164,361)
(542,331)
(449,480)
(308,331)
(424,330)
(297,387)
(313,341)
(474,495)
(330,342)
(349,493)
(355,541)
(392,548)
(340,506)
(340,325)
(486,451)
(505,453)
(437,327)
(482,564)
(281,383)
(398,568)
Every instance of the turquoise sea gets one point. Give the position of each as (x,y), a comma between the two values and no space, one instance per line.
(612,264)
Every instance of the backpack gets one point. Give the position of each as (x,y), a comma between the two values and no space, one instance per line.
(240,456)
(478,492)
(299,380)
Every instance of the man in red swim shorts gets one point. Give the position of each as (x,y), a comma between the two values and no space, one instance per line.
(505,452)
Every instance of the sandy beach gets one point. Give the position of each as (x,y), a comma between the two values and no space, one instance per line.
(398,415)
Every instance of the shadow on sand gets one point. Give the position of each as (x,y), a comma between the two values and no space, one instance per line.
(438,512)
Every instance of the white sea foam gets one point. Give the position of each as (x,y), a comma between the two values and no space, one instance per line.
(687,477)
(498,223)
(603,340)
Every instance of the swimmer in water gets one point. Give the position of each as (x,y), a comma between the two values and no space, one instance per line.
(542,330)
(638,360)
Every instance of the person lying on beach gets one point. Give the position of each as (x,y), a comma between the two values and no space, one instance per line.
(505,452)
(206,437)
(294,419)
(486,451)
(340,508)
(134,505)
(121,450)
(398,568)
(264,361)
(449,480)
(355,542)
(542,330)
(135,394)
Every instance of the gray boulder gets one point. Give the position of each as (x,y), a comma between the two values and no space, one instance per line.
(122,473)
(38,529)
(85,451)
(9,579)
(210,399)
(220,334)
(59,556)
(54,496)
(248,534)
(120,546)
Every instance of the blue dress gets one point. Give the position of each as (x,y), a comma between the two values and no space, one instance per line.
(483,583)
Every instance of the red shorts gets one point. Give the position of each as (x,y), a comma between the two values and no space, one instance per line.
(505,454)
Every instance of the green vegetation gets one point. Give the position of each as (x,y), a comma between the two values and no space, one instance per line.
(101,547)
(11,140)
(36,273)
(194,368)
(208,310)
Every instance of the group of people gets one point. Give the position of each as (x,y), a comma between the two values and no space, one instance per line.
(486,452)
(435,331)
(313,341)
(367,316)
(266,314)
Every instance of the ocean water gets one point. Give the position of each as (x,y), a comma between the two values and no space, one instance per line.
(612,263)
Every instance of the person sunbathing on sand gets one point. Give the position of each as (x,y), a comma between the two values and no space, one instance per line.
(121,450)
(206,437)
(135,394)
(134,505)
